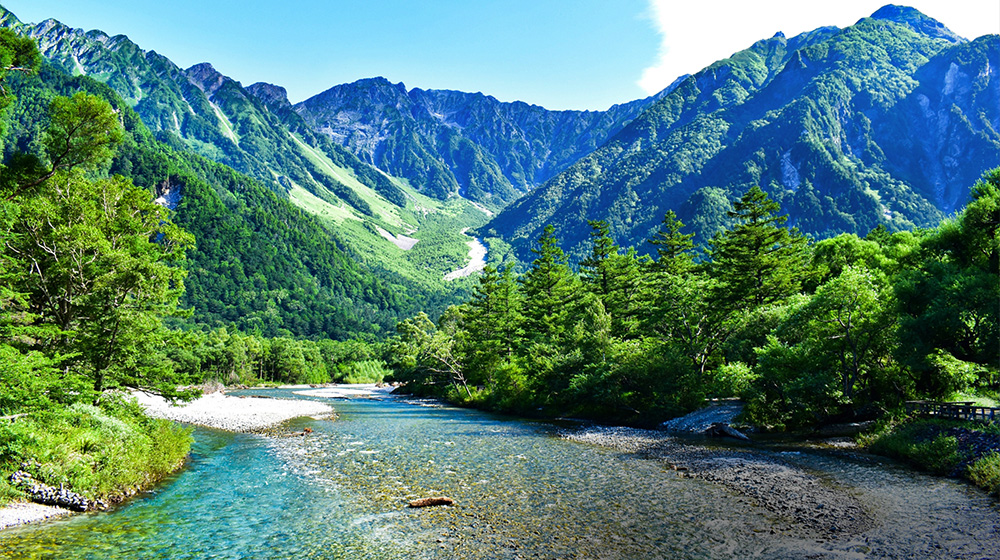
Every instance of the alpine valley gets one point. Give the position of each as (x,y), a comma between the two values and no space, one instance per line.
(886,122)
(802,238)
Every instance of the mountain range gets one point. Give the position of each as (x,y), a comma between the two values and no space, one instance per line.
(886,122)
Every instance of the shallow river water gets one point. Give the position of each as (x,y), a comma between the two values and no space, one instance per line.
(521,491)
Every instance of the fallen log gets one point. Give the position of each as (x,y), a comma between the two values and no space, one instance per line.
(721,429)
(426,502)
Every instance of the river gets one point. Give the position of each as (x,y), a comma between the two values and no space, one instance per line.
(521,491)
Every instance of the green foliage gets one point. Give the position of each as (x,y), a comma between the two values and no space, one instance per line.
(805,334)
(922,444)
(985,473)
(105,452)
(757,261)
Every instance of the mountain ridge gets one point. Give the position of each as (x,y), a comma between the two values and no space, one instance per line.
(819,120)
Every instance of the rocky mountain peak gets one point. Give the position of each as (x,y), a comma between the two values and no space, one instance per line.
(206,77)
(270,94)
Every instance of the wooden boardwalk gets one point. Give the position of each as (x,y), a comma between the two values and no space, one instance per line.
(959,410)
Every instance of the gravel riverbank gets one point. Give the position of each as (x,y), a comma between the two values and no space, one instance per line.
(800,498)
(234,414)
(20,513)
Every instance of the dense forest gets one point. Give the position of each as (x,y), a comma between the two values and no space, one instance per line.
(804,331)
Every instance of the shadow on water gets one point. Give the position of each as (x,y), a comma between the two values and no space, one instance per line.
(520,491)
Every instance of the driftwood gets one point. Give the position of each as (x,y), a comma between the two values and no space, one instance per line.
(425,502)
(721,429)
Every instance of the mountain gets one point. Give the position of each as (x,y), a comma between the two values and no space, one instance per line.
(884,122)
(259,262)
(450,142)
(208,113)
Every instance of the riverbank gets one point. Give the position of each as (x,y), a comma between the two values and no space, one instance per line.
(806,503)
(234,414)
(19,513)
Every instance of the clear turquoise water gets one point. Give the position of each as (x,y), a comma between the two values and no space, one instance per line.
(521,492)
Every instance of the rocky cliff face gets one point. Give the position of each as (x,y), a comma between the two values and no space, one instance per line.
(449,142)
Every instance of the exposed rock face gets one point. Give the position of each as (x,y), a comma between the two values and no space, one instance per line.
(453,142)
(270,94)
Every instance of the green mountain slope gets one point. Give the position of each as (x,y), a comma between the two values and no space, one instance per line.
(260,263)
(450,142)
(253,131)
(885,122)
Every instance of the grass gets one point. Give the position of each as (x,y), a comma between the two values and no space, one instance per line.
(927,445)
(105,453)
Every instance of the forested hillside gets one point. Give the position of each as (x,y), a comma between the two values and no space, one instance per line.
(886,123)
(258,262)
(806,333)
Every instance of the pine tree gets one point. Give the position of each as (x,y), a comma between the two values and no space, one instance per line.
(493,325)
(549,290)
(674,250)
(758,261)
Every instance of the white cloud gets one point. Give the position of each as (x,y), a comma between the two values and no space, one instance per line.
(697,33)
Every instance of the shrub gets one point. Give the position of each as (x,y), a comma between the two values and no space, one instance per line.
(985,473)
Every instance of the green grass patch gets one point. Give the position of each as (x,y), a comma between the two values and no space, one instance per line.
(985,473)
(919,443)
(363,371)
(944,447)
(107,452)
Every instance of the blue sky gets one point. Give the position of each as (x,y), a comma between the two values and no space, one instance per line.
(561,54)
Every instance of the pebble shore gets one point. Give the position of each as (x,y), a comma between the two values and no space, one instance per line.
(800,498)
(234,414)
(20,513)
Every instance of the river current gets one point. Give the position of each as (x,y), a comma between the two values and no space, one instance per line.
(521,491)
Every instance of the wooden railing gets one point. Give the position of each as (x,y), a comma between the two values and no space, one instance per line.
(959,410)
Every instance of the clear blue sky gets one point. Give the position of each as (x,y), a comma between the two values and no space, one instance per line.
(561,54)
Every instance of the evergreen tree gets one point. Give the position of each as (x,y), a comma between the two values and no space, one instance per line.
(550,289)
(597,270)
(493,323)
(758,261)
(674,250)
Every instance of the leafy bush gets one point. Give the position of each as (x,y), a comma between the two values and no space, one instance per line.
(985,473)
(920,443)
(105,452)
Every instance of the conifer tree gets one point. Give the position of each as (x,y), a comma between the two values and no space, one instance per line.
(549,290)
(493,323)
(758,261)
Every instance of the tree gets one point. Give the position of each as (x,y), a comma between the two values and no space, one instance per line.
(614,278)
(17,54)
(832,354)
(758,261)
(493,325)
(96,259)
(674,250)
(948,299)
(549,288)
(597,270)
